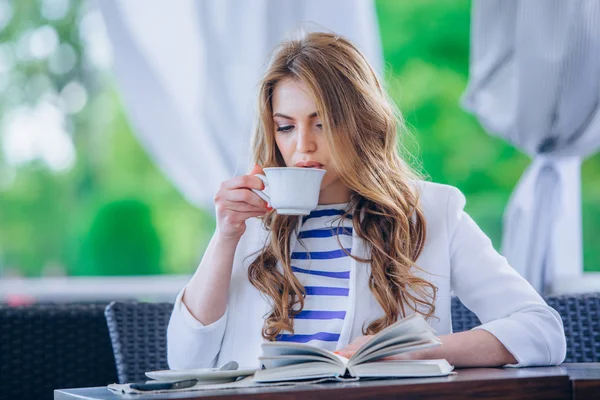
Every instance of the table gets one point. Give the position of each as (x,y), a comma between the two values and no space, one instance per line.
(585,379)
(567,381)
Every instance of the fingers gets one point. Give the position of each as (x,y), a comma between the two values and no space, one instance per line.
(345,353)
(243,182)
(349,350)
(246,215)
(243,207)
(257,169)
(245,196)
(236,218)
(235,203)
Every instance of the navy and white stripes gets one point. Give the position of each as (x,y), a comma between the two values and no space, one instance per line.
(323,267)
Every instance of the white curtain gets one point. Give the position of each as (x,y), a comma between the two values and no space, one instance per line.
(188,72)
(535,81)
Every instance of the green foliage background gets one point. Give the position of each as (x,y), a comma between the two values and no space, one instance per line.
(114,213)
(426,48)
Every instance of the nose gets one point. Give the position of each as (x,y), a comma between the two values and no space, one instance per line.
(305,140)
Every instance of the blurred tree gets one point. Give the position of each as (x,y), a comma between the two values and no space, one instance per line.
(122,241)
(74,207)
(54,81)
(426,49)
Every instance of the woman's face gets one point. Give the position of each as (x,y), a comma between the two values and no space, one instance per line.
(300,138)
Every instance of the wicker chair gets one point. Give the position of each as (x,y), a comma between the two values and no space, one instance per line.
(138,332)
(53,346)
(463,319)
(581,318)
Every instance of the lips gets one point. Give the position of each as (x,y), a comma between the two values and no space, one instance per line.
(309,164)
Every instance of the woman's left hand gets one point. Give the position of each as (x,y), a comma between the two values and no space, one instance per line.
(349,350)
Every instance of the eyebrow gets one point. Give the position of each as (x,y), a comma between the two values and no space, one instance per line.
(313,115)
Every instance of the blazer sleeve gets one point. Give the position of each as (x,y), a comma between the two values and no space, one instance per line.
(190,344)
(507,305)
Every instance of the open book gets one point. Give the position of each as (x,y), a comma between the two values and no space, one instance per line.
(284,361)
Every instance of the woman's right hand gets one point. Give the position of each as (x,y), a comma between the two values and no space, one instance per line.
(235,203)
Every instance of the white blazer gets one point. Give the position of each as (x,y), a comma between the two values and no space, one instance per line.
(457,257)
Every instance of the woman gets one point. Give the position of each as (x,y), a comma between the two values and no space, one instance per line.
(380,246)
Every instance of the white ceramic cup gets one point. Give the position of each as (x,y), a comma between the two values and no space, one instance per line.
(291,190)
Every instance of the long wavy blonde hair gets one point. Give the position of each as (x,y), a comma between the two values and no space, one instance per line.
(361,124)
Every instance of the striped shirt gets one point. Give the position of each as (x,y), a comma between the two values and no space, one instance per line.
(323,267)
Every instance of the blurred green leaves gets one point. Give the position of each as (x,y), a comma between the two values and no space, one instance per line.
(122,240)
(114,213)
(426,49)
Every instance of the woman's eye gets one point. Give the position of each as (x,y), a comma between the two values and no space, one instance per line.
(320,126)
(285,128)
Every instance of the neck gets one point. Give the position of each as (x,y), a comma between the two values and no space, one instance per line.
(334,194)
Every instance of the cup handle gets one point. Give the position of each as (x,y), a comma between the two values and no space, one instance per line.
(261,193)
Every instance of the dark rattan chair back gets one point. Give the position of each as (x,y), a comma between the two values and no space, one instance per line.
(581,318)
(463,319)
(53,346)
(138,332)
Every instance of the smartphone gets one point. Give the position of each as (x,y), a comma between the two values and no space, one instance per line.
(163,385)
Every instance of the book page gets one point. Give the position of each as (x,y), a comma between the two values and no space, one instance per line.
(406,340)
(408,368)
(393,350)
(282,361)
(291,351)
(414,324)
(309,370)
